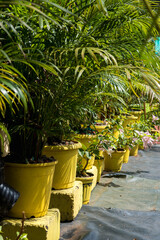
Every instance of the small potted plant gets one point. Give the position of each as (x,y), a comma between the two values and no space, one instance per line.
(82,175)
(127,142)
(114,154)
(113,151)
(140,136)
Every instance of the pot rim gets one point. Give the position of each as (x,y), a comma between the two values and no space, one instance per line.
(87,178)
(80,136)
(30,165)
(132,117)
(76,145)
(116,151)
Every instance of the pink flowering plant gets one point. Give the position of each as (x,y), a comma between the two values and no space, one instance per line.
(140,135)
(154,119)
(153,122)
(156,122)
(147,140)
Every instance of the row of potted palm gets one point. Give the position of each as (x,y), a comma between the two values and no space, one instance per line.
(65,67)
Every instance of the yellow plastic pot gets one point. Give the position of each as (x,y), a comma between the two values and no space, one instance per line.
(126,155)
(137,114)
(34,183)
(129,120)
(99,128)
(99,164)
(87,187)
(134,151)
(65,171)
(85,139)
(114,161)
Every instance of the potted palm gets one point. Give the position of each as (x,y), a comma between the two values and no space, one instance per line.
(127,141)
(25,163)
(26,169)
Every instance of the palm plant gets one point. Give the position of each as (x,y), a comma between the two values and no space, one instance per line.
(75,54)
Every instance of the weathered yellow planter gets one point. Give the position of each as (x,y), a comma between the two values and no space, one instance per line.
(87,187)
(99,128)
(126,155)
(34,183)
(99,164)
(65,171)
(114,161)
(134,151)
(129,120)
(137,114)
(85,139)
